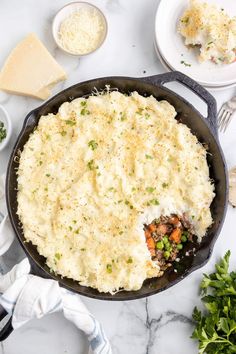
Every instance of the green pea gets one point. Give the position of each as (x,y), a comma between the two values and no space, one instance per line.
(168,246)
(179,246)
(185,233)
(184,238)
(165,239)
(166,254)
(160,245)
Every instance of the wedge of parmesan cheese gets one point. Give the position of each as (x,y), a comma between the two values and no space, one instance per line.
(30,70)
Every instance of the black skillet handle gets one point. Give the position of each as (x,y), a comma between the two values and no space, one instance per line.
(5,324)
(193,86)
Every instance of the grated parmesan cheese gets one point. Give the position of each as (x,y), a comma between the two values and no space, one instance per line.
(82,32)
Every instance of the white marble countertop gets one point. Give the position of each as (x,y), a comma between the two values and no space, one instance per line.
(162,323)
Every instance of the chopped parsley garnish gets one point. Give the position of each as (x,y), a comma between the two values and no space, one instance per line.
(121,232)
(184,63)
(70,228)
(139,111)
(149,157)
(165,185)
(48,174)
(109,268)
(129,260)
(83,103)
(63,133)
(77,231)
(150,189)
(128,203)
(92,144)
(123,117)
(83,249)
(70,122)
(91,165)
(3,132)
(58,256)
(84,111)
(153,202)
(185,20)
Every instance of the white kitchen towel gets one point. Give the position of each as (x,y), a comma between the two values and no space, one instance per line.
(26,296)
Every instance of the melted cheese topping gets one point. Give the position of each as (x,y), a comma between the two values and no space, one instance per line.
(91,175)
(205,25)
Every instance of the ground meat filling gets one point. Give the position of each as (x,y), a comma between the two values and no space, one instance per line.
(166,236)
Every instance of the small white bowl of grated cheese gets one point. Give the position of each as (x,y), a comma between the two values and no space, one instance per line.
(79,28)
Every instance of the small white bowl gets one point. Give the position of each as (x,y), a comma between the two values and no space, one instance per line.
(5,118)
(66,11)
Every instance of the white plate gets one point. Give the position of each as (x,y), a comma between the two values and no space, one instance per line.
(173,50)
(162,60)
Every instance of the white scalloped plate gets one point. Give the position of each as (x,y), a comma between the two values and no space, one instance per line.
(173,50)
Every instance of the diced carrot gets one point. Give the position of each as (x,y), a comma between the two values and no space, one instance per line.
(174,220)
(152,228)
(175,235)
(151,246)
(147,234)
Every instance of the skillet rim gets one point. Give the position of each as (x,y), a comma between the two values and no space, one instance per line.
(129,295)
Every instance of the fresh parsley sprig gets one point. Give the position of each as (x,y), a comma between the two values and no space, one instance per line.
(216,327)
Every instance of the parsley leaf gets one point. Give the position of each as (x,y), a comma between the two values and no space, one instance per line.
(3,132)
(149,157)
(70,122)
(58,256)
(109,268)
(91,165)
(216,327)
(84,111)
(150,189)
(184,63)
(92,144)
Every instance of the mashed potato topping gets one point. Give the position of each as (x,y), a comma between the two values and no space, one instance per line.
(211,28)
(91,175)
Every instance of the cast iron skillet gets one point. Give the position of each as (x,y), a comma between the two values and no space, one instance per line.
(204,129)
